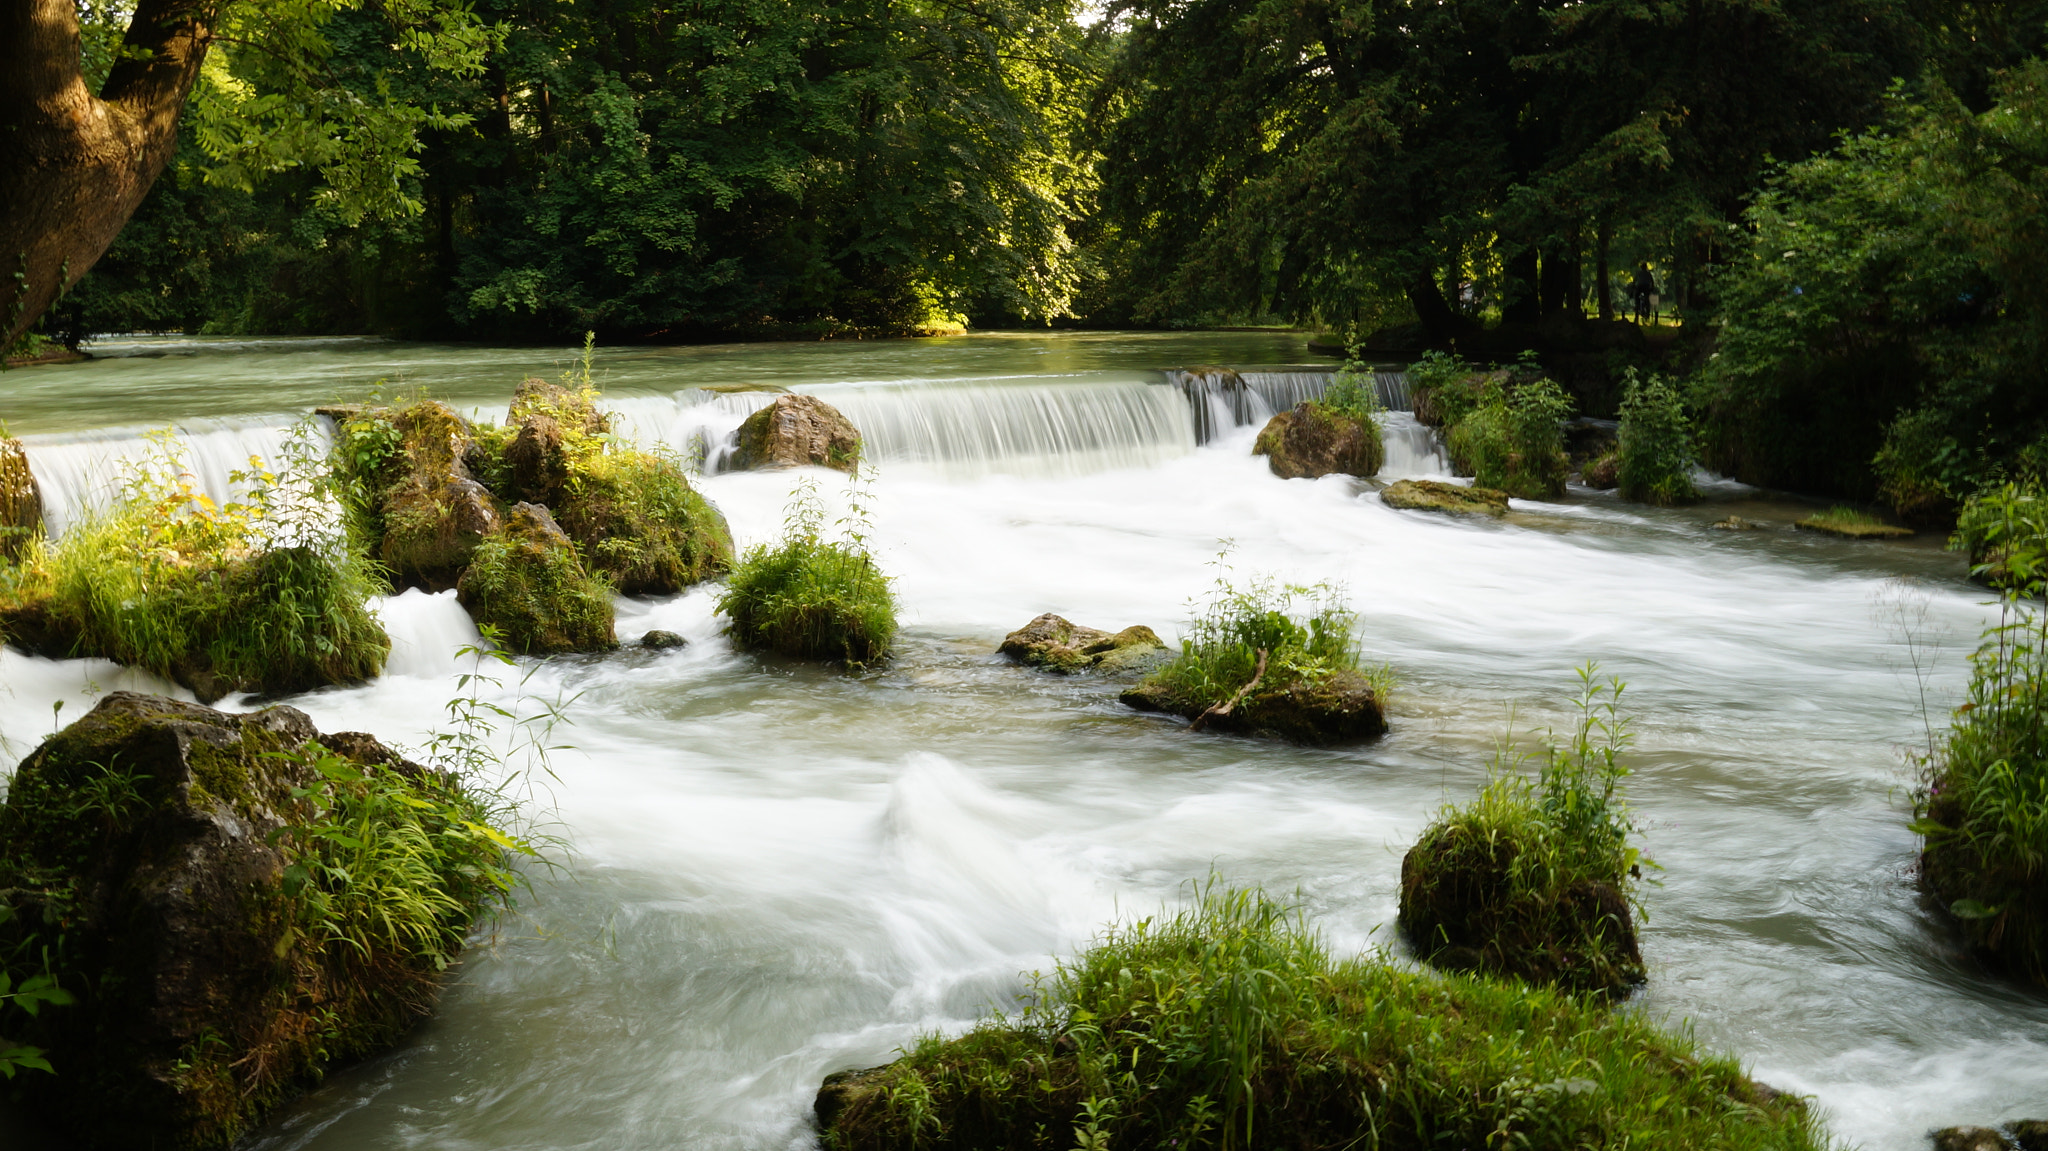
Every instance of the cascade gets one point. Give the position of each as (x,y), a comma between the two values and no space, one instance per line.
(84,472)
(1221,400)
(426,631)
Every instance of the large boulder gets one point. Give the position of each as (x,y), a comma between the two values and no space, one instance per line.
(640,523)
(797,431)
(576,410)
(1053,643)
(537,460)
(147,856)
(21,500)
(432,512)
(1970,1139)
(527,580)
(1436,496)
(1337,705)
(1309,440)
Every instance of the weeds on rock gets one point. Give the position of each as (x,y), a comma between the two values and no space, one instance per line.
(811,597)
(1656,455)
(1513,438)
(1227,1024)
(1535,878)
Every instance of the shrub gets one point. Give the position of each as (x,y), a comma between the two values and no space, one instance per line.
(1983,802)
(811,597)
(1443,388)
(2000,523)
(1249,661)
(1655,459)
(256,596)
(1921,468)
(1353,394)
(1227,1024)
(1533,879)
(1513,439)
(527,580)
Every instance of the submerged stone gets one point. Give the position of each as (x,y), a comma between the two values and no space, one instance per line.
(1309,440)
(1053,643)
(205,992)
(1436,496)
(797,431)
(1970,1139)
(1735,524)
(1852,529)
(659,640)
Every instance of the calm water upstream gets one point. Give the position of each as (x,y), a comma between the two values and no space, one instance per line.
(773,871)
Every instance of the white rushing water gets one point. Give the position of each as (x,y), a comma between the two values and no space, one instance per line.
(775,871)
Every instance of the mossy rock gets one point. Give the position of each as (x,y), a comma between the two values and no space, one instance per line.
(1853,529)
(1970,1139)
(527,580)
(1309,440)
(1053,643)
(1331,706)
(638,521)
(1436,496)
(574,410)
(797,431)
(426,512)
(1603,472)
(143,847)
(21,500)
(1462,910)
(2007,928)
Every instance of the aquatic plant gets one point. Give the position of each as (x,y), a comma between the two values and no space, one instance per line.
(1534,878)
(253,595)
(1655,459)
(1272,658)
(1227,1024)
(1982,806)
(1513,438)
(811,597)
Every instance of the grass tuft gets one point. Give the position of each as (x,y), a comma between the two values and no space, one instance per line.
(1655,460)
(810,597)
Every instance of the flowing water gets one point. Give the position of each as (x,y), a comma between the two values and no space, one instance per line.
(772,871)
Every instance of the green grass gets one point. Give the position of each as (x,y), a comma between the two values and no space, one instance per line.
(254,596)
(1983,802)
(1533,879)
(638,521)
(810,597)
(1513,439)
(1656,454)
(1842,515)
(1227,1024)
(529,583)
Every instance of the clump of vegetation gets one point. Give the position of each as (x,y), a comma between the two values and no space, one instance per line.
(1852,523)
(1999,524)
(812,597)
(1655,458)
(1251,662)
(1513,438)
(1921,468)
(1228,1024)
(639,522)
(1535,877)
(1443,388)
(1983,802)
(527,580)
(248,596)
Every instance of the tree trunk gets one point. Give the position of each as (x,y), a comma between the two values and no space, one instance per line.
(1521,304)
(1603,287)
(1561,289)
(74,167)
(1440,325)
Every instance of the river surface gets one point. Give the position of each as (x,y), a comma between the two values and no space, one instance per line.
(770,871)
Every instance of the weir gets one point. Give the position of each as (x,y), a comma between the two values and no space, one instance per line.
(82,472)
(1221,399)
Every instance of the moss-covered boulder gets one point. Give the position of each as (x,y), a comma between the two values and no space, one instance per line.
(640,522)
(1852,525)
(407,474)
(1436,496)
(1053,643)
(1970,1139)
(1602,472)
(21,500)
(158,857)
(527,580)
(575,410)
(1322,707)
(1310,440)
(797,431)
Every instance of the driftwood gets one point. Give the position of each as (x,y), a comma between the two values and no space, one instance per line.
(1226,706)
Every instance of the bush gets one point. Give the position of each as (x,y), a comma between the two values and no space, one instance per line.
(810,597)
(1999,524)
(1443,388)
(527,580)
(1921,468)
(257,596)
(1534,878)
(1655,461)
(1353,394)
(1983,803)
(1250,662)
(1228,1024)
(1513,438)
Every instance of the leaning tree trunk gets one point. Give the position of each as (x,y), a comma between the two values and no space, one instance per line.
(74,166)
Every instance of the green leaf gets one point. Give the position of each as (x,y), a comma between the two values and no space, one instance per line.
(1971,909)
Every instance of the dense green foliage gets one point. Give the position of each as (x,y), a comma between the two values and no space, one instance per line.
(1533,878)
(255,596)
(811,597)
(1656,446)
(527,580)
(1983,804)
(1227,1024)
(1512,438)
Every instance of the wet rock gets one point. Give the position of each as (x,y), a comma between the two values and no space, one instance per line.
(575,411)
(1337,707)
(1309,441)
(2030,1134)
(1970,1139)
(151,828)
(842,1089)
(1735,524)
(436,513)
(535,458)
(1603,472)
(1853,529)
(1436,496)
(660,640)
(797,431)
(527,580)
(1053,643)
(21,500)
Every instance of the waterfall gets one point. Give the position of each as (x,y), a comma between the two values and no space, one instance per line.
(81,473)
(1412,448)
(1220,398)
(426,631)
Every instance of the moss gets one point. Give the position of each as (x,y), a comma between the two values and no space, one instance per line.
(638,521)
(527,580)
(1849,523)
(1228,1024)
(1313,440)
(1436,496)
(21,500)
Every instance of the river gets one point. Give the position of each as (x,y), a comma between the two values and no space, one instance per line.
(771,871)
